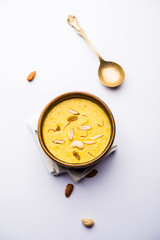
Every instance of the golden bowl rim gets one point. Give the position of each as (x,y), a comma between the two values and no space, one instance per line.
(71,95)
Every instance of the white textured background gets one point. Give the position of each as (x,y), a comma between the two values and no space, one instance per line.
(124,198)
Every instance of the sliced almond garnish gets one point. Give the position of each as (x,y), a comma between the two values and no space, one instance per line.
(84,115)
(76,155)
(98,136)
(89,143)
(58,141)
(73,112)
(77,144)
(84,127)
(71,134)
(72,118)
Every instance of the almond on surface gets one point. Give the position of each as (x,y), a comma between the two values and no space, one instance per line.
(92,173)
(31,76)
(87,222)
(69,189)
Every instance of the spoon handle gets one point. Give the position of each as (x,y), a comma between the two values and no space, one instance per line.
(72,20)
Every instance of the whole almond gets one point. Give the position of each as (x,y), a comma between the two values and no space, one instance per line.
(92,173)
(31,76)
(69,189)
(87,222)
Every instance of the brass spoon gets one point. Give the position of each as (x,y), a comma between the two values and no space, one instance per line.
(110,74)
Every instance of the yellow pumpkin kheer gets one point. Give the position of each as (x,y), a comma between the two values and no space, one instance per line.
(76,130)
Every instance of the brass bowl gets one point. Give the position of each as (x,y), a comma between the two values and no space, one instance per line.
(72,95)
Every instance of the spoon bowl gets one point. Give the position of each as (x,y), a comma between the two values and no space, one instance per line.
(110,74)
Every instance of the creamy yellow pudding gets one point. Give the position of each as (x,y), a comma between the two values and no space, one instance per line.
(76,130)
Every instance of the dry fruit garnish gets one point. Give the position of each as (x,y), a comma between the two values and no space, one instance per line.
(71,134)
(101,125)
(77,144)
(58,128)
(58,141)
(98,136)
(51,130)
(88,222)
(85,135)
(90,154)
(76,155)
(92,173)
(84,115)
(73,112)
(31,76)
(72,118)
(84,127)
(69,190)
(66,125)
(89,143)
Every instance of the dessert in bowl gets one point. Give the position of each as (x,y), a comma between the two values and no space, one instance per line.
(76,129)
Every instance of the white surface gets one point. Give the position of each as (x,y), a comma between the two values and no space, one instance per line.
(124,198)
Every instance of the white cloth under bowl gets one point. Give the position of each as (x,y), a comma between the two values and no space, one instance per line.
(55,168)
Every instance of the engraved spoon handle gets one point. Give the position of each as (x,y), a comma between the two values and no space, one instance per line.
(72,20)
